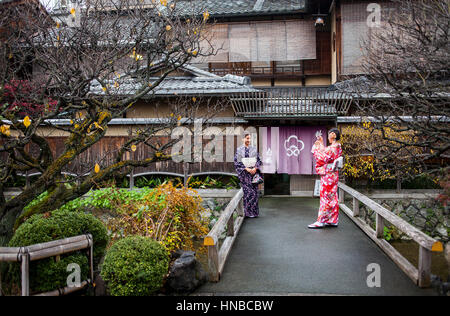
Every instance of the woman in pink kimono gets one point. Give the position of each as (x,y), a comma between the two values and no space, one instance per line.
(329,178)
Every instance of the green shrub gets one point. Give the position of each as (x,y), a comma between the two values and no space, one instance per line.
(49,274)
(167,214)
(52,274)
(104,199)
(109,198)
(135,266)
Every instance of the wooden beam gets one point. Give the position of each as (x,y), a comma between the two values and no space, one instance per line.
(9,257)
(65,290)
(379,226)
(355,207)
(58,250)
(424,267)
(91,256)
(25,272)
(230,226)
(341,195)
(132,178)
(213,263)
(240,208)
(56,243)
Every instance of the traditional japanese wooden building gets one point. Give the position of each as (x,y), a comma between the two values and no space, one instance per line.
(277,67)
(292,52)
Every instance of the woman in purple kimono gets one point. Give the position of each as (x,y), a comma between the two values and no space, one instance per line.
(245,175)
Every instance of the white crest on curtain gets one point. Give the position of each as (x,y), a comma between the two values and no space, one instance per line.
(293,150)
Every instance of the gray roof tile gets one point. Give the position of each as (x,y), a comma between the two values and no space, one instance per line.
(203,83)
(242,7)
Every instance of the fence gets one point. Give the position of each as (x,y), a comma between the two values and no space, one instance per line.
(218,254)
(25,255)
(421,275)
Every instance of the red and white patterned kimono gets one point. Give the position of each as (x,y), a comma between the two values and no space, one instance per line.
(329,202)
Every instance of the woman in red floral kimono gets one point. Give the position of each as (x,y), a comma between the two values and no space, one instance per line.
(329,178)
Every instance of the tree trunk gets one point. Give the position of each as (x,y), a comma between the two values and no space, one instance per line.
(7,225)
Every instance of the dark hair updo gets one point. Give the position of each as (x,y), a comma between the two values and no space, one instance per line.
(336,131)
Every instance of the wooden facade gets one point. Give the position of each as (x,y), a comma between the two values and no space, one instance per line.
(276,70)
(290,93)
(105,151)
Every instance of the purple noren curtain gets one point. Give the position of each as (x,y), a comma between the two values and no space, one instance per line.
(287,149)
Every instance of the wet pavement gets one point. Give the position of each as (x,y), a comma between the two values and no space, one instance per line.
(276,254)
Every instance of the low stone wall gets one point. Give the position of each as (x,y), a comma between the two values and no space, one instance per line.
(422,210)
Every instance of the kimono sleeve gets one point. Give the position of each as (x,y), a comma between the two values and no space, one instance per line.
(324,156)
(238,165)
(258,162)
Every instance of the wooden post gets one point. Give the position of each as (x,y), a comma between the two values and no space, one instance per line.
(213,262)
(355,207)
(132,179)
(91,257)
(240,208)
(341,195)
(27,180)
(25,274)
(424,267)
(185,173)
(380,226)
(230,226)
(133,154)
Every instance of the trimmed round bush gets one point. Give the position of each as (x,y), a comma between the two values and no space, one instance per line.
(135,266)
(50,274)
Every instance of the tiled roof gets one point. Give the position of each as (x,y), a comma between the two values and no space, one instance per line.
(203,83)
(361,83)
(228,8)
(364,87)
(241,7)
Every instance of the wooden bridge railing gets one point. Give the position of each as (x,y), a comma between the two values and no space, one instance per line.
(25,255)
(422,275)
(218,254)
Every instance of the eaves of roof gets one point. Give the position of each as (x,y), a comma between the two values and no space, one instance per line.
(231,8)
(203,83)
